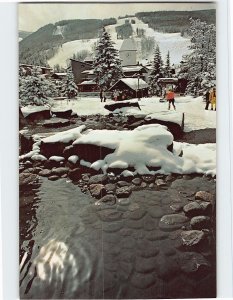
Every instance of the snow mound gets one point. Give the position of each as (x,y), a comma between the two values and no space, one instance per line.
(30,109)
(146,150)
(168,116)
(65,136)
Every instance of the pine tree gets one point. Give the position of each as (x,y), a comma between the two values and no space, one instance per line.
(156,72)
(200,65)
(70,87)
(107,64)
(168,66)
(35,89)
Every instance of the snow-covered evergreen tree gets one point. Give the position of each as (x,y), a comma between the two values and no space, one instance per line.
(156,73)
(107,64)
(168,72)
(200,65)
(70,87)
(34,89)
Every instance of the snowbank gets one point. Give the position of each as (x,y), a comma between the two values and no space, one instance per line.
(146,150)
(65,136)
(168,116)
(31,109)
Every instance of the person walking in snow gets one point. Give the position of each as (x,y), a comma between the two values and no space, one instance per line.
(207,99)
(170,97)
(212,99)
(104,96)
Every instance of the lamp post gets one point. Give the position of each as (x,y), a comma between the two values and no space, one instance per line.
(138,94)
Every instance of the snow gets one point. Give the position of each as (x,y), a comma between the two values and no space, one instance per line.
(56,158)
(151,140)
(169,116)
(30,109)
(174,42)
(134,83)
(196,117)
(65,136)
(73,159)
(38,157)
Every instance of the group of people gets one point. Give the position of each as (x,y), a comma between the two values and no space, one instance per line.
(210,97)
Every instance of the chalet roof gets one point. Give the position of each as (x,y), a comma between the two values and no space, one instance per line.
(132,83)
(133,68)
(128,45)
(59,74)
(34,66)
(83,62)
(89,72)
(168,80)
(87,82)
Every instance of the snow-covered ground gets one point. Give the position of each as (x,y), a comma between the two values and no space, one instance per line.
(172,42)
(196,117)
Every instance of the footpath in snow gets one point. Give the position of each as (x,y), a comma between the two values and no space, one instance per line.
(196,117)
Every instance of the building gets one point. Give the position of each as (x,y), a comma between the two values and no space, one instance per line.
(131,88)
(59,76)
(43,70)
(77,68)
(128,53)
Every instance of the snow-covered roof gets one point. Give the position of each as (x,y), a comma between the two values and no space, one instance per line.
(90,72)
(88,58)
(134,83)
(132,68)
(60,74)
(128,45)
(168,80)
(87,82)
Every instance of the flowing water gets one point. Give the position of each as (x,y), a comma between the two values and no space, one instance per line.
(72,249)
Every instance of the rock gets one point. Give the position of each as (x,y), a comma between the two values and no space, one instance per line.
(106,200)
(206,207)
(45,173)
(122,183)
(192,209)
(170,178)
(136,214)
(55,123)
(83,118)
(53,177)
(97,190)
(143,185)
(53,149)
(136,124)
(204,196)
(192,262)
(110,215)
(110,187)
(62,114)
(192,238)
(59,171)
(151,185)
(123,192)
(85,177)
(118,105)
(172,222)
(75,174)
(102,178)
(176,207)
(200,222)
(160,182)
(148,178)
(25,141)
(27,179)
(123,201)
(36,115)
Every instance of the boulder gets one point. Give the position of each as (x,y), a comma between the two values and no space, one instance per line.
(160,182)
(62,114)
(192,262)
(60,171)
(97,190)
(192,238)
(204,196)
(101,178)
(137,181)
(55,123)
(110,187)
(45,173)
(51,149)
(122,183)
(36,114)
(118,105)
(173,221)
(123,192)
(193,209)
(53,177)
(106,200)
(27,179)
(200,222)
(75,174)
(26,142)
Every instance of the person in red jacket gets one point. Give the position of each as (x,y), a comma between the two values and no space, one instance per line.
(170,97)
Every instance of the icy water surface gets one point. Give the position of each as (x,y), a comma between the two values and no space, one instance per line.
(71,249)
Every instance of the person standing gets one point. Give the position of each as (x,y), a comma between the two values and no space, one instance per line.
(212,99)
(207,99)
(104,96)
(170,97)
(101,95)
